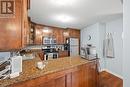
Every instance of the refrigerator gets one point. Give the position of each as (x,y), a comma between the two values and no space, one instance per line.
(74,46)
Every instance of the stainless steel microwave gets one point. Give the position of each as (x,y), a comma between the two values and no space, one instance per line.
(49,40)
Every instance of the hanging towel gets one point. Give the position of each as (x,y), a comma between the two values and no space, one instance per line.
(108,48)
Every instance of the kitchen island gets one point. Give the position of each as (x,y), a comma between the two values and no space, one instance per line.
(62,72)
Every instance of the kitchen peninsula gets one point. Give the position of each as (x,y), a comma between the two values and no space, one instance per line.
(62,72)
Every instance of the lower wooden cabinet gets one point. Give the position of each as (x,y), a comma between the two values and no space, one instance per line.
(63,54)
(76,75)
(48,84)
(60,82)
(81,76)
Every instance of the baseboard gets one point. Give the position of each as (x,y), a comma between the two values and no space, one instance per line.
(117,75)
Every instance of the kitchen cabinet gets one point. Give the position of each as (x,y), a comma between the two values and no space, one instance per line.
(13,30)
(93,75)
(31,32)
(48,84)
(85,75)
(65,35)
(74,33)
(47,31)
(42,31)
(60,82)
(60,34)
(63,54)
(25,23)
(76,78)
(38,34)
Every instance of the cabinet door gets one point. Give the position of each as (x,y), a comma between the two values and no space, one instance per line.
(60,82)
(85,76)
(10,30)
(60,38)
(74,33)
(69,80)
(25,24)
(65,35)
(92,75)
(48,84)
(63,54)
(38,34)
(76,75)
(47,31)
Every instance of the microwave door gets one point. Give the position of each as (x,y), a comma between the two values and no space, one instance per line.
(46,40)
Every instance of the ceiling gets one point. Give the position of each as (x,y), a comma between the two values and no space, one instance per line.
(74,13)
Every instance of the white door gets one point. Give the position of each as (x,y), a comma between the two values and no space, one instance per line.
(74,50)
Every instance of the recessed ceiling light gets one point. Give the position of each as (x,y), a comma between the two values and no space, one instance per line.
(64,18)
(63,2)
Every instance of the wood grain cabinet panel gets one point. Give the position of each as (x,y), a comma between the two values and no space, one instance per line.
(76,79)
(60,39)
(41,32)
(63,54)
(48,84)
(38,36)
(92,75)
(25,24)
(60,82)
(68,80)
(13,30)
(58,34)
(74,33)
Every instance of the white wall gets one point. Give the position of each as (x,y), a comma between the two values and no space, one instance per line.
(90,30)
(115,65)
(98,31)
(126,43)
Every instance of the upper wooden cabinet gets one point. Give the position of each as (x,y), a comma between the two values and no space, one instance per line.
(25,23)
(74,33)
(31,32)
(59,33)
(38,34)
(14,29)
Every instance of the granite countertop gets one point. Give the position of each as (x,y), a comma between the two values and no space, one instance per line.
(30,71)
